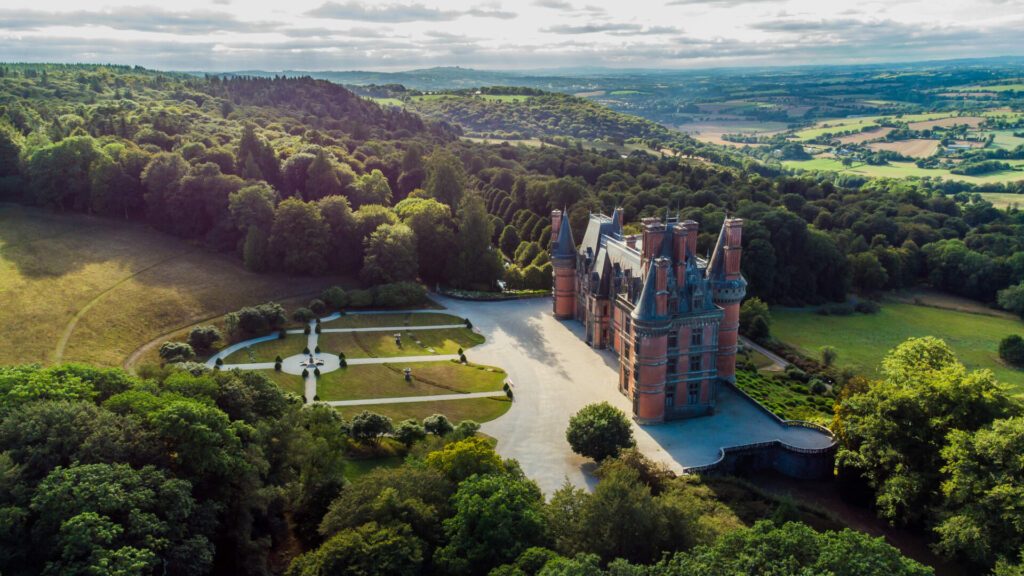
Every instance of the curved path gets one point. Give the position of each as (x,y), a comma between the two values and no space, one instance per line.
(554,373)
(778,362)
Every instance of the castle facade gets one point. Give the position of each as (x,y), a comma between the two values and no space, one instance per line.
(671,317)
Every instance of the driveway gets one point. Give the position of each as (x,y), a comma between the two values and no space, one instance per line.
(554,374)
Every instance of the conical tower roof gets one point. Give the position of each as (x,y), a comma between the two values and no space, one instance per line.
(564,246)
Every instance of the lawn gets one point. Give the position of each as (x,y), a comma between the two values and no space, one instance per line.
(267,351)
(382,344)
(863,340)
(87,289)
(388,380)
(477,409)
(287,382)
(789,400)
(389,319)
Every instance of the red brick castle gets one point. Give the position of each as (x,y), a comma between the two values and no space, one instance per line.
(670,316)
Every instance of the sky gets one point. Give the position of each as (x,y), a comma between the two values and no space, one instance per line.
(390,35)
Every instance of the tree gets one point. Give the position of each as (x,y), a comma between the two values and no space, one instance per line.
(437,424)
(109,187)
(203,337)
(390,255)
(599,431)
(828,356)
(477,265)
(891,434)
(256,159)
(253,206)
(59,173)
(299,237)
(172,352)
(622,519)
(345,248)
(1012,299)
(369,550)
(432,223)
(373,188)
(509,241)
(104,518)
(465,458)
(866,272)
(409,432)
(369,217)
(755,319)
(369,426)
(161,178)
(322,178)
(497,517)
(1011,349)
(983,520)
(294,173)
(446,179)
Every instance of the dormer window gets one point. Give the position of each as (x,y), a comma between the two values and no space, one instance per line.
(698,300)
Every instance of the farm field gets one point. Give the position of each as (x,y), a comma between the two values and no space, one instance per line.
(476,409)
(504,97)
(843,124)
(1005,139)
(366,381)
(865,136)
(1004,199)
(388,101)
(711,131)
(972,121)
(915,148)
(531,142)
(80,288)
(904,170)
(863,340)
(1019,87)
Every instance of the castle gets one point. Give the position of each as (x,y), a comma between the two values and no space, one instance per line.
(670,316)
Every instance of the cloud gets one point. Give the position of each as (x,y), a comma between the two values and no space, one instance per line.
(553,4)
(592,28)
(398,13)
(132,18)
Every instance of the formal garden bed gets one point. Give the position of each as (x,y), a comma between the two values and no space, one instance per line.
(367,381)
(787,397)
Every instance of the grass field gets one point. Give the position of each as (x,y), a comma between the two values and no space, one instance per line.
(865,136)
(904,170)
(863,340)
(287,382)
(80,288)
(388,381)
(267,351)
(388,319)
(914,148)
(382,344)
(505,97)
(1004,199)
(477,409)
(1005,139)
(994,88)
(388,101)
(843,124)
(355,469)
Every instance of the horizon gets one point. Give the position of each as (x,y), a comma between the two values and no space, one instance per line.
(354,35)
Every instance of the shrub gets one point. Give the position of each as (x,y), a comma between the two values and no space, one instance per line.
(399,294)
(437,425)
(317,329)
(836,309)
(305,350)
(360,299)
(343,363)
(317,349)
(469,324)
(282,334)
(277,366)
(599,431)
(176,352)
(795,373)
(466,429)
(317,306)
(278,359)
(219,362)
(409,432)
(316,372)
(817,387)
(462,358)
(1011,349)
(370,426)
(203,337)
(306,330)
(303,315)
(335,297)
(305,373)
(867,307)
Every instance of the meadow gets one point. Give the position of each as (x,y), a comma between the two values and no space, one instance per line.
(79,288)
(862,340)
(366,381)
(904,170)
(1004,199)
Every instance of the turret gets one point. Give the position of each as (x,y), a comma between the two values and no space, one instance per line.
(563,266)
(728,289)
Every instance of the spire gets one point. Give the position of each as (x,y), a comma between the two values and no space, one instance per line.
(647,307)
(715,265)
(564,246)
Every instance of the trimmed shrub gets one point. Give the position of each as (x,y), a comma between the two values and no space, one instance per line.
(437,424)
(317,306)
(303,315)
(1011,349)
(399,294)
(335,297)
(176,352)
(203,337)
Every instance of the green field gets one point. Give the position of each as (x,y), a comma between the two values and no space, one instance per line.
(382,344)
(624,92)
(1004,199)
(287,382)
(904,170)
(267,351)
(994,88)
(863,340)
(388,101)
(79,288)
(505,97)
(477,409)
(389,319)
(366,381)
(1005,139)
(843,124)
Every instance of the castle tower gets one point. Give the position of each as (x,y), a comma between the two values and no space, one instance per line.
(651,325)
(728,290)
(563,264)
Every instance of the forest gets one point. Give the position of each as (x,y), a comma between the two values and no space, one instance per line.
(303,176)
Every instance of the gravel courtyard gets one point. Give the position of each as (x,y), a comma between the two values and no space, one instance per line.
(554,374)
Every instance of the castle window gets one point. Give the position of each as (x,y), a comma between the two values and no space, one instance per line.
(670,400)
(694,392)
(673,339)
(697,338)
(698,300)
(673,366)
(625,349)
(695,363)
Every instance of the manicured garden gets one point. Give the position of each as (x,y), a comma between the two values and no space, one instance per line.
(787,398)
(476,409)
(382,344)
(268,350)
(388,319)
(388,380)
(862,340)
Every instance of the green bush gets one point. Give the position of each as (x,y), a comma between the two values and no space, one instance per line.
(1011,349)
(335,297)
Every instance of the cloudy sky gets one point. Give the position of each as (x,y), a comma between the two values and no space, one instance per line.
(223,35)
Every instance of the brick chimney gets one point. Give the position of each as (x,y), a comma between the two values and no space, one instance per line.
(653,236)
(556,223)
(661,265)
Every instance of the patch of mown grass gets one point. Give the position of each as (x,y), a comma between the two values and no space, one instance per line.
(267,351)
(382,344)
(476,409)
(788,399)
(393,319)
(388,380)
(287,382)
